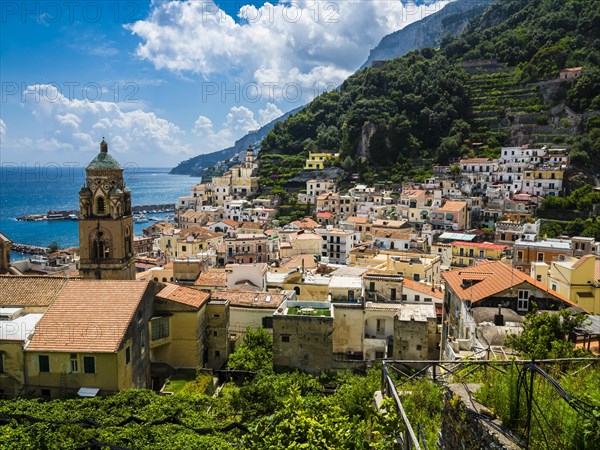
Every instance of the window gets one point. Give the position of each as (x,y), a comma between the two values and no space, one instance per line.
(128,355)
(1,362)
(404,297)
(44,363)
(379,355)
(183,248)
(216,316)
(393,293)
(520,255)
(89,364)
(523,301)
(427,299)
(380,326)
(540,256)
(100,205)
(554,287)
(74,365)
(419,347)
(416,277)
(285,338)
(372,286)
(160,328)
(217,353)
(267,322)
(46,393)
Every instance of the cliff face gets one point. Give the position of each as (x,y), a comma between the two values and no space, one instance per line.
(428,32)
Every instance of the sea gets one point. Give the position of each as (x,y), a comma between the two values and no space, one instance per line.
(35,190)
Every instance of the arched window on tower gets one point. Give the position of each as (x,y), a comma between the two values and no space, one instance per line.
(100,246)
(128,250)
(100,206)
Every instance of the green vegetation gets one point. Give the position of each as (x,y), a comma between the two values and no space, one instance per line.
(255,353)
(578,204)
(53,247)
(424,109)
(544,336)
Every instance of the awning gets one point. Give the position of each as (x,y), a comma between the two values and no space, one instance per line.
(88,392)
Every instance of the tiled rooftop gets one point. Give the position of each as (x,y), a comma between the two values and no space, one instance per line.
(184,295)
(29,290)
(88,316)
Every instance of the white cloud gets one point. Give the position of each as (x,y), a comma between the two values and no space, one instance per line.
(2,128)
(238,122)
(76,126)
(307,42)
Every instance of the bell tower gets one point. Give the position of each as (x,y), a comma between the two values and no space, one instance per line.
(105,221)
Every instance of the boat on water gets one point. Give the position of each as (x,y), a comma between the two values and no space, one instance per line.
(154,219)
(140,218)
(73,217)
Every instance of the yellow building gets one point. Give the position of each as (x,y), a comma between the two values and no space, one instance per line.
(300,243)
(94,336)
(178,327)
(316,160)
(188,243)
(466,253)
(577,279)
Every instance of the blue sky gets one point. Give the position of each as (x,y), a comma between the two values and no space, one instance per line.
(165,80)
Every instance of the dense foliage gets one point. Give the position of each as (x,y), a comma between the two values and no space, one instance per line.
(255,353)
(545,334)
(423,108)
(411,103)
(539,36)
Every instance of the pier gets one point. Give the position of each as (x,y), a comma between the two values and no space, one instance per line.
(27,249)
(74,213)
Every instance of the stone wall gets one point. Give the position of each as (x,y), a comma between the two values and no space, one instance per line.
(463,426)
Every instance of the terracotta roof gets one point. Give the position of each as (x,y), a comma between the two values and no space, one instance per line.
(88,316)
(475,160)
(491,278)
(453,206)
(212,277)
(423,288)
(481,245)
(250,298)
(231,223)
(29,290)
(325,215)
(390,233)
(355,219)
(184,295)
(3,238)
(252,225)
(296,261)
(306,223)
(381,223)
(199,233)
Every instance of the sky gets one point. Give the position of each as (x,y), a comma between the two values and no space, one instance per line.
(165,80)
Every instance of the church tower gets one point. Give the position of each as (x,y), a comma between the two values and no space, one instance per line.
(105,221)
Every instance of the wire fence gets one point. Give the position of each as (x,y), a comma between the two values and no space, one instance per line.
(544,404)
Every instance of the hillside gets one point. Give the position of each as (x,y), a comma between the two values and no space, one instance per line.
(432,106)
(427,32)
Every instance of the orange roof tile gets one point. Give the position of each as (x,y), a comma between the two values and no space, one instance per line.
(184,295)
(492,278)
(212,278)
(423,288)
(306,223)
(251,299)
(88,316)
(453,206)
(356,219)
(30,290)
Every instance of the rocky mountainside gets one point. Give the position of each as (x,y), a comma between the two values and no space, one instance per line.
(428,32)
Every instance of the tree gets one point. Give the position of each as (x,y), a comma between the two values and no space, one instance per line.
(53,247)
(545,335)
(255,353)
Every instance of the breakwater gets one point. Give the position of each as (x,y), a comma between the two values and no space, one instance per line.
(74,214)
(29,249)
